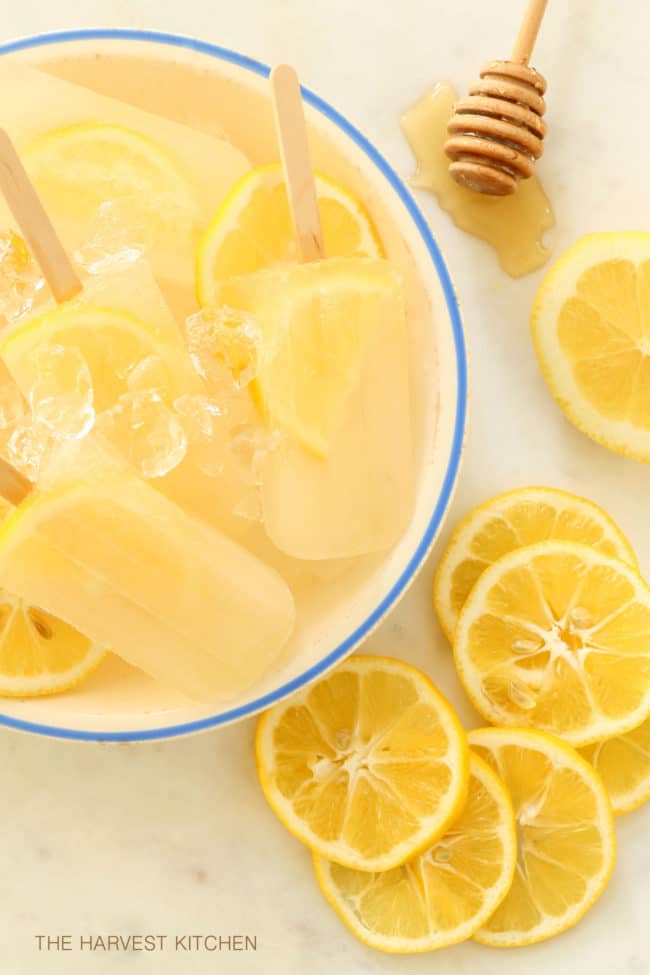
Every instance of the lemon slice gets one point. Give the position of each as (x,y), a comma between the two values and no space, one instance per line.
(39,654)
(111,343)
(318,322)
(82,168)
(367,767)
(443,895)
(624,766)
(557,636)
(565,835)
(512,520)
(591,328)
(252,229)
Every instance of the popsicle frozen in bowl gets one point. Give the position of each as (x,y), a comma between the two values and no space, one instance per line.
(332,378)
(96,547)
(103,331)
(114,176)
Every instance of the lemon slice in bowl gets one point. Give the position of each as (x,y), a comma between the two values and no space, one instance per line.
(39,654)
(366,767)
(318,322)
(80,168)
(591,329)
(111,343)
(252,229)
(624,766)
(513,520)
(557,636)
(443,895)
(565,835)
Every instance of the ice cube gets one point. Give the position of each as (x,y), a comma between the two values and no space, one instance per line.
(112,240)
(62,396)
(206,428)
(21,282)
(224,344)
(146,431)
(30,445)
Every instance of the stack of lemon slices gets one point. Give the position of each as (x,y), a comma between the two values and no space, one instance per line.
(540,594)
(423,836)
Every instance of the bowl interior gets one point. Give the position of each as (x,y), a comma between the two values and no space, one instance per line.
(223,93)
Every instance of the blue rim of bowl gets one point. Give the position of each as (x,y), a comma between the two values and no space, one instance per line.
(414,563)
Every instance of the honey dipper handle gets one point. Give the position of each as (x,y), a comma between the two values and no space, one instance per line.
(528,31)
(296,161)
(35,224)
(14,488)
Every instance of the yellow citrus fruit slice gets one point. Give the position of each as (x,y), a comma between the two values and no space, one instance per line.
(591,328)
(368,766)
(565,835)
(557,636)
(443,895)
(252,229)
(81,168)
(318,322)
(39,654)
(624,766)
(111,343)
(513,520)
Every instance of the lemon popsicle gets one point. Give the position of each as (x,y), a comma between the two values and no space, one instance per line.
(103,551)
(104,168)
(332,382)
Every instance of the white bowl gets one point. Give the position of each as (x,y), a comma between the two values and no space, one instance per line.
(120,704)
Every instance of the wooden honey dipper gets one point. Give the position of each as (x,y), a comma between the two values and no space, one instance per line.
(497,132)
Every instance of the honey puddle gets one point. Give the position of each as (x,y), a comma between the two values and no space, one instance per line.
(513,225)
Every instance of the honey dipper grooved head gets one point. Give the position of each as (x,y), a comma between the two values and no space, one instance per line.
(497,132)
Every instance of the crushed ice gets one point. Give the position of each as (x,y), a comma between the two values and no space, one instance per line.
(150,435)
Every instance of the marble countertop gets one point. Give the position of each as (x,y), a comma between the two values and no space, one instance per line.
(175,839)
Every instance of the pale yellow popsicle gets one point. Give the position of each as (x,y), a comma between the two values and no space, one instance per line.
(102,550)
(182,174)
(333,382)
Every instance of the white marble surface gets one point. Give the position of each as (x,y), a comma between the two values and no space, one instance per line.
(175,838)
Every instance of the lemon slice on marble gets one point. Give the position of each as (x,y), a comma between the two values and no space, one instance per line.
(444,894)
(624,766)
(512,520)
(565,835)
(591,328)
(368,766)
(557,636)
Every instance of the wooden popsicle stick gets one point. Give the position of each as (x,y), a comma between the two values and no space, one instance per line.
(296,161)
(528,31)
(35,224)
(14,487)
